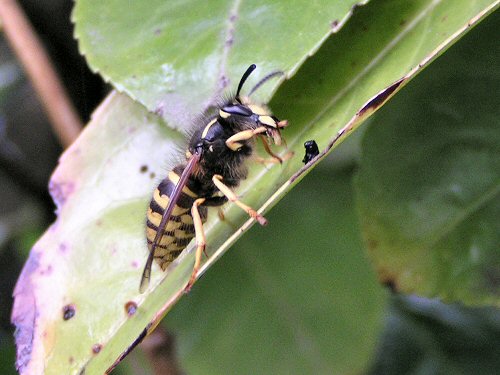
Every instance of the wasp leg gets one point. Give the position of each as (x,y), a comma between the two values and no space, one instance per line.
(261,160)
(274,158)
(200,241)
(217,180)
(233,142)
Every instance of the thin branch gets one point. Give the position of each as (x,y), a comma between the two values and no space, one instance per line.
(21,36)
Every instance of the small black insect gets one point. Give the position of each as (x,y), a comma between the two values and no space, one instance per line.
(312,151)
(214,166)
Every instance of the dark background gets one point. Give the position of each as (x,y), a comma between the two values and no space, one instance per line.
(29,150)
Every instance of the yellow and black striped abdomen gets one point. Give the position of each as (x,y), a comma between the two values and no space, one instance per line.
(179,230)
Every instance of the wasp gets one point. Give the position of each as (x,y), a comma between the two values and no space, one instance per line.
(214,166)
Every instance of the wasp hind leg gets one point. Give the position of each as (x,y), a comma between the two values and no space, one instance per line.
(200,241)
(231,196)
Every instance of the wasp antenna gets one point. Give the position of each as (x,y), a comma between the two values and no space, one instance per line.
(249,71)
(265,79)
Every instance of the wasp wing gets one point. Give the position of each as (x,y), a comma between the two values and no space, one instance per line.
(146,274)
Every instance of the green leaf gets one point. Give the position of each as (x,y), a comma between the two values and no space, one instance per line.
(178,57)
(92,257)
(429,182)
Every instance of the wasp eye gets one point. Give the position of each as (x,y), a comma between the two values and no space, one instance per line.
(237,109)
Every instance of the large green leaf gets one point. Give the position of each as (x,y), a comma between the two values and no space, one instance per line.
(429,182)
(91,258)
(177,57)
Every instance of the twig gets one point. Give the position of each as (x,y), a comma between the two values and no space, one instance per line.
(65,122)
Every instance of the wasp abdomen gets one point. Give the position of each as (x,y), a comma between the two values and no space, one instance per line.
(179,230)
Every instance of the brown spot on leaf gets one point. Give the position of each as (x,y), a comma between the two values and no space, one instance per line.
(388,279)
(380,98)
(130,308)
(334,24)
(46,271)
(63,248)
(402,22)
(159,109)
(69,311)
(152,175)
(143,169)
(96,348)
(157,31)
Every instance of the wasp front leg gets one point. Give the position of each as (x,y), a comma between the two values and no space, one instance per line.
(274,159)
(231,196)
(234,142)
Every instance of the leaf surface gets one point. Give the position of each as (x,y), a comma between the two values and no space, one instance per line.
(429,181)
(178,57)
